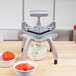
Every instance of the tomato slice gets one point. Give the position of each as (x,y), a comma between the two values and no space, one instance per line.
(30,68)
(24,67)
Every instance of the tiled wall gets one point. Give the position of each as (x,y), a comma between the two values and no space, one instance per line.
(11,13)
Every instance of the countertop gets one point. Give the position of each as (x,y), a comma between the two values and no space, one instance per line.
(66,59)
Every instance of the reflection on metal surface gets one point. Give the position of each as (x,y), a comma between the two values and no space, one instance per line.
(64,35)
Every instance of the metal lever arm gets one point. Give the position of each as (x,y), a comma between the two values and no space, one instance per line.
(52,25)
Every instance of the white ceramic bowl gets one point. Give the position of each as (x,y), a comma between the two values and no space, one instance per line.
(7,63)
(25,73)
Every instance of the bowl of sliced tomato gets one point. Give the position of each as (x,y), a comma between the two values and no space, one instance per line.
(24,68)
(7,59)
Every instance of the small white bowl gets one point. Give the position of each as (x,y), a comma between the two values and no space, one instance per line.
(7,63)
(25,73)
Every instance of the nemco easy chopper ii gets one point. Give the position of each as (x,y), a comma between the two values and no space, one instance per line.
(38,33)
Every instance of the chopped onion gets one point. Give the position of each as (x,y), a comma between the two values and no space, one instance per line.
(37,51)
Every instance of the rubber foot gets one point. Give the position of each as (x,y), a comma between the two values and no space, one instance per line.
(55,61)
(50,50)
(22,50)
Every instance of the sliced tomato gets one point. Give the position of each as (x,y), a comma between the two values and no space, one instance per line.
(30,68)
(24,67)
